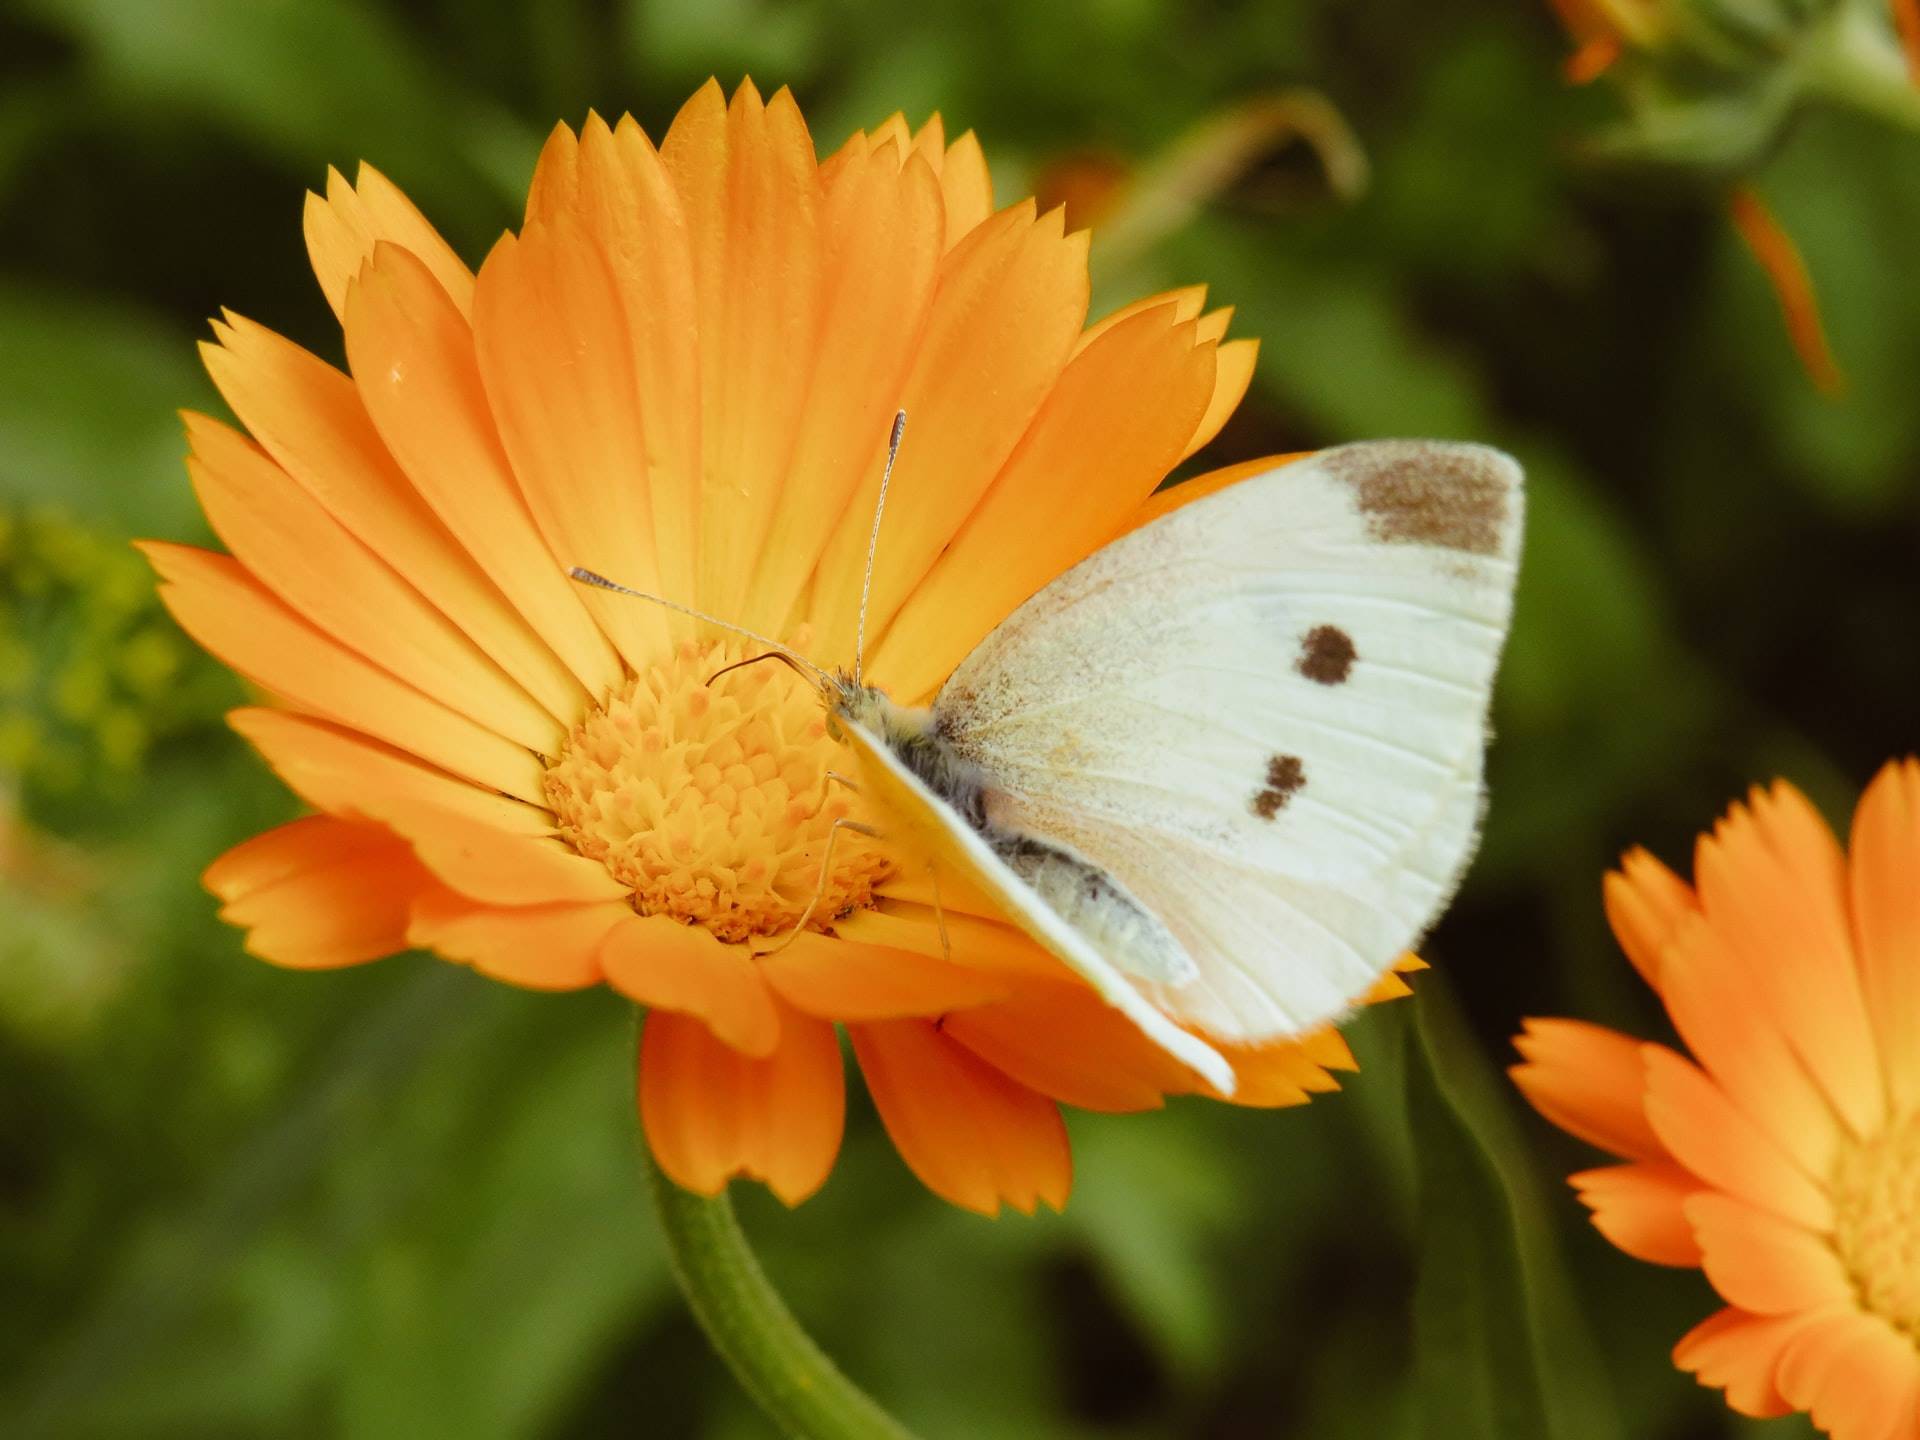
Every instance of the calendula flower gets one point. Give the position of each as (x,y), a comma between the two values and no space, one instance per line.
(1782,1155)
(681,373)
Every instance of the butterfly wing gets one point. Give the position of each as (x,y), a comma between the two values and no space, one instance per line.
(1264,714)
(954,848)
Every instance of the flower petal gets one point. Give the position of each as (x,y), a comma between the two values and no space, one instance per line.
(1008,307)
(343,229)
(973,1135)
(880,237)
(839,979)
(543,947)
(485,846)
(1772,881)
(413,360)
(711,1113)
(1740,1354)
(972,940)
(301,553)
(1856,1377)
(1234,362)
(1589,1081)
(319,892)
(966,187)
(662,963)
(1641,1209)
(1762,1263)
(309,417)
(1709,1135)
(615,187)
(1065,1042)
(1885,889)
(1105,437)
(1732,1032)
(1646,903)
(557,363)
(749,184)
(233,616)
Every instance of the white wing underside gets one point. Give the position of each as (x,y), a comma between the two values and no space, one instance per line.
(1169,709)
(960,848)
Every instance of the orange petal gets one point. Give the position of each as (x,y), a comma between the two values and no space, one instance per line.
(1772,882)
(1107,435)
(839,979)
(1740,1353)
(301,553)
(671,966)
(557,363)
(234,617)
(614,186)
(1762,1263)
(343,229)
(1786,272)
(309,417)
(1641,1209)
(712,1113)
(1884,885)
(1233,373)
(1646,903)
(1064,1041)
(1711,1137)
(748,182)
(1906,19)
(966,187)
(1008,307)
(319,892)
(543,947)
(880,236)
(1273,1074)
(973,1135)
(485,846)
(1732,1033)
(412,355)
(972,940)
(1187,302)
(1856,1377)
(1589,1081)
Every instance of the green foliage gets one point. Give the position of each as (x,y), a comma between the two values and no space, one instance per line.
(404,1201)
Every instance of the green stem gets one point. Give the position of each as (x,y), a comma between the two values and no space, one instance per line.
(801,1390)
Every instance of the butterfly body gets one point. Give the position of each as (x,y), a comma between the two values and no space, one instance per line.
(1228,768)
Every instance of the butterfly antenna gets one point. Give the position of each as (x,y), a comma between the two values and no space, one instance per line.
(873,541)
(601,582)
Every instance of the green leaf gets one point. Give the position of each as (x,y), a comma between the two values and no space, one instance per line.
(1500,1352)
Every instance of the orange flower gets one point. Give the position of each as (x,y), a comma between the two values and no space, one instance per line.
(1783,1156)
(680,373)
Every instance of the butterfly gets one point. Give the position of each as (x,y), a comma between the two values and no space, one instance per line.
(1229,767)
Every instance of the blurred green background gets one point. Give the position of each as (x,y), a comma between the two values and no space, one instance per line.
(403,1201)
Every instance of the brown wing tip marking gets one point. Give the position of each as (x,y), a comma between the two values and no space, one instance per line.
(1285,777)
(1326,655)
(1420,492)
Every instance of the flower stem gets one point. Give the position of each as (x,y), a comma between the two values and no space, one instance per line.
(801,1390)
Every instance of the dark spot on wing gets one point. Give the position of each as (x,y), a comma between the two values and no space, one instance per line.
(1427,493)
(1285,776)
(1326,655)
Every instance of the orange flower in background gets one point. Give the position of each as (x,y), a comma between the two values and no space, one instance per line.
(1782,1156)
(681,373)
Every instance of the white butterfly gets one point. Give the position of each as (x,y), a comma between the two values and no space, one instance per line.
(1228,768)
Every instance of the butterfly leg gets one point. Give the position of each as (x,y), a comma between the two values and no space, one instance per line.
(820,887)
(825,791)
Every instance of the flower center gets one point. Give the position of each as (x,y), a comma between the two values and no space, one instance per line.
(1876,1194)
(713,802)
